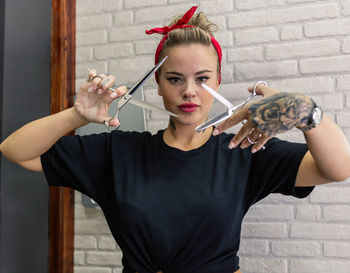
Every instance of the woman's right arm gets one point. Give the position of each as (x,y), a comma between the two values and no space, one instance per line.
(27,144)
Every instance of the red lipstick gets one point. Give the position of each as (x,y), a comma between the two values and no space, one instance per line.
(188,107)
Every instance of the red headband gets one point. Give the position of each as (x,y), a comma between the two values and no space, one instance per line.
(182,24)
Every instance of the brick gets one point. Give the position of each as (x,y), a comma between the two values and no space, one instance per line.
(256,4)
(328,28)
(128,33)
(343,82)
(107,243)
(265,70)
(83,54)
(104,258)
(295,248)
(336,213)
(264,230)
(114,51)
(134,4)
(254,36)
(343,119)
(225,39)
(320,231)
(325,65)
(245,54)
(118,270)
(85,242)
(279,16)
(348,100)
(270,212)
(91,38)
(254,247)
(129,69)
(346,8)
(215,7)
(302,49)
(329,102)
(308,213)
(227,72)
(263,265)
(292,32)
(330,194)
(337,249)
(79,257)
(218,20)
(91,270)
(146,47)
(154,127)
(346,45)
(82,69)
(300,1)
(159,14)
(123,18)
(94,22)
(88,7)
(311,85)
(317,266)
(281,199)
(91,227)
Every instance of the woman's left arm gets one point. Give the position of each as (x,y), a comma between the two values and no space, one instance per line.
(328,158)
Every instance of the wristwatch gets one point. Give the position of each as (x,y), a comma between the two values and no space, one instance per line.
(314,119)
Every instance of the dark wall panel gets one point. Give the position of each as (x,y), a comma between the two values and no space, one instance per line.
(25,93)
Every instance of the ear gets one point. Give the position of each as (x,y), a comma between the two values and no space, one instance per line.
(159,91)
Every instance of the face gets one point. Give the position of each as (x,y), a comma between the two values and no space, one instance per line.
(180,79)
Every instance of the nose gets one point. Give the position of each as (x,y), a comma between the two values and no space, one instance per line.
(190,91)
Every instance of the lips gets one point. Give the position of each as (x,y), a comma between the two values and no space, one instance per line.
(188,107)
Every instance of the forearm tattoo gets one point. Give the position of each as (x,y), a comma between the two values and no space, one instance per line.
(281,112)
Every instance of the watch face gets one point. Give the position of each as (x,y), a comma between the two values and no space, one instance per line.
(317,115)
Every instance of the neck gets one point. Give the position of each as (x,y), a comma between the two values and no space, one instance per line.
(184,137)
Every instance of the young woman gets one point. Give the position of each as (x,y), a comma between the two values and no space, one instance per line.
(175,201)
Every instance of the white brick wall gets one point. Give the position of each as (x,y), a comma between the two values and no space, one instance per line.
(295,45)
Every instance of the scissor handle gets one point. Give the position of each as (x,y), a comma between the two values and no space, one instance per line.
(254,91)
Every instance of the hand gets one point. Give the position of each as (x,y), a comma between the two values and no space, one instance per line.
(275,113)
(94,98)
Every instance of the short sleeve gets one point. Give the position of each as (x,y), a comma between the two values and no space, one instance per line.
(79,162)
(274,170)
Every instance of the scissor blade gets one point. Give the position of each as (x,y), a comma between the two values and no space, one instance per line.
(217,96)
(213,121)
(151,107)
(146,77)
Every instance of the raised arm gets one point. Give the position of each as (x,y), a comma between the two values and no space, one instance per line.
(328,158)
(27,144)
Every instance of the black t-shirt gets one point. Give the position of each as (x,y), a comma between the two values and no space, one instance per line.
(168,209)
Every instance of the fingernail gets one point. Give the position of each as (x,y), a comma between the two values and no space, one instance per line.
(90,89)
(113,95)
(99,91)
(215,132)
(254,150)
(232,145)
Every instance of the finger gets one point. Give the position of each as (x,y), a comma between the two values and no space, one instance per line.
(96,82)
(240,136)
(114,122)
(107,83)
(251,138)
(92,73)
(260,143)
(120,91)
(236,118)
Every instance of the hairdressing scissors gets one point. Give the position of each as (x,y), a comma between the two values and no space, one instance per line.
(127,97)
(231,109)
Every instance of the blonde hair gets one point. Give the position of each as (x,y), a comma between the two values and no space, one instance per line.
(201,33)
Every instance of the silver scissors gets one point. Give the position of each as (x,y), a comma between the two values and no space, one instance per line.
(127,97)
(230,108)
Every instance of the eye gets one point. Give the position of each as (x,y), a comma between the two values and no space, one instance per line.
(202,79)
(174,80)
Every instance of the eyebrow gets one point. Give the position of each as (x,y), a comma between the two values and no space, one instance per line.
(197,73)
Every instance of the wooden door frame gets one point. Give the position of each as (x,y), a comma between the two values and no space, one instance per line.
(61,208)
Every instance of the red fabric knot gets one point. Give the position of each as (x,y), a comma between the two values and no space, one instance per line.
(179,24)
